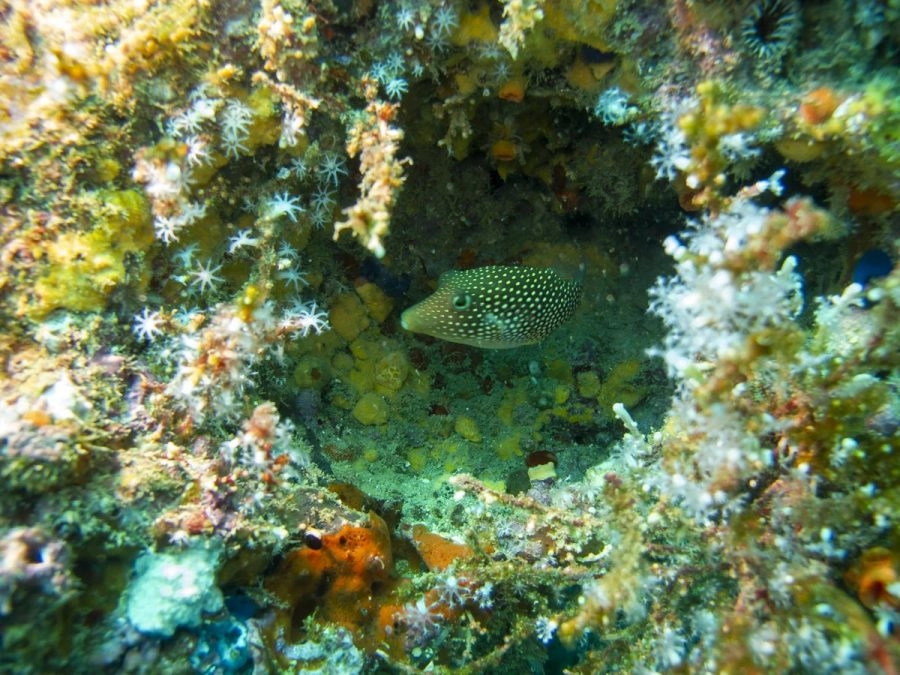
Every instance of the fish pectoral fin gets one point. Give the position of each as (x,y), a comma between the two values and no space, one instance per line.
(501,329)
(494,323)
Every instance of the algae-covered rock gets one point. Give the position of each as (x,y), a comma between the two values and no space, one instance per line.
(85,267)
(173,590)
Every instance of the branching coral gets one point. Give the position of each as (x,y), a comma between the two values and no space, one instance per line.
(376,142)
(282,38)
(519,17)
(722,315)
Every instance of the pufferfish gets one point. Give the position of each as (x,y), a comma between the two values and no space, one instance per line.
(495,307)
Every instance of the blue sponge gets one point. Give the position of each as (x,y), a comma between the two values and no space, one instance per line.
(873,264)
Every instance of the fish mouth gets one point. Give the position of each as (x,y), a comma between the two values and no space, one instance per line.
(405,320)
(414,321)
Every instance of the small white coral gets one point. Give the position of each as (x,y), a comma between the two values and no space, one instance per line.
(396,87)
(293,277)
(331,169)
(205,277)
(235,123)
(444,20)
(305,318)
(281,204)
(197,152)
(405,18)
(613,107)
(545,629)
(147,325)
(241,239)
(420,620)
(669,648)
(236,118)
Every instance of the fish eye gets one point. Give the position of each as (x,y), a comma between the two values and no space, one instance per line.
(462,301)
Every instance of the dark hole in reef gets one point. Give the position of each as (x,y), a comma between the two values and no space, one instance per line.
(303,609)
(877,590)
(595,56)
(497,182)
(313,541)
(323,586)
(33,554)
(242,607)
(539,457)
(94,617)
(766,25)
(577,223)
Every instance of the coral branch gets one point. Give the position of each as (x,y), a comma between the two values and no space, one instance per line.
(376,142)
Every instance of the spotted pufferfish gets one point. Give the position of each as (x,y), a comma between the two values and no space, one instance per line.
(495,307)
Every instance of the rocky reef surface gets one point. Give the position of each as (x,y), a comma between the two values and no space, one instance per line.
(220,451)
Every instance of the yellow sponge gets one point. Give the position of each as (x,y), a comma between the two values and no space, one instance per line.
(376,301)
(468,429)
(371,409)
(348,317)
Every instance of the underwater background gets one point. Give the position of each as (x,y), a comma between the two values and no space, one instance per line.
(649,421)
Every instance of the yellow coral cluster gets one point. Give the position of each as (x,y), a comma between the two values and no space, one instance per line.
(621,386)
(566,18)
(375,369)
(371,409)
(476,26)
(705,127)
(283,37)
(83,268)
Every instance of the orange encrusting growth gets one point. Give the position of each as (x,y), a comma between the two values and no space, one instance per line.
(873,575)
(504,151)
(341,576)
(438,552)
(818,105)
(513,90)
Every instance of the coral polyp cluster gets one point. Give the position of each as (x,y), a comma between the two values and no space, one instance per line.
(227,444)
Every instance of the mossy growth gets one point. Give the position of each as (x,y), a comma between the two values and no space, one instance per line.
(48,468)
(881,106)
(84,267)
(621,387)
(266,126)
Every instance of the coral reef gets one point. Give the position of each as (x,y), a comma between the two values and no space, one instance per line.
(221,450)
